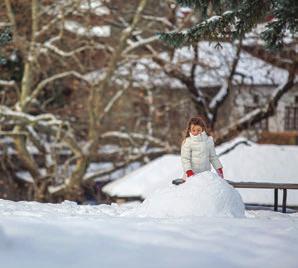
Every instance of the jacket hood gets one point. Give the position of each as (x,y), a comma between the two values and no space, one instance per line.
(200,137)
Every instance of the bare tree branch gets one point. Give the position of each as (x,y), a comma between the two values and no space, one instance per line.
(258,114)
(10,83)
(141,42)
(47,123)
(163,20)
(225,89)
(44,82)
(95,110)
(65,10)
(118,166)
(283,59)
(138,136)
(11,16)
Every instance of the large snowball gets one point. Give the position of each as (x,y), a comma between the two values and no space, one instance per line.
(204,194)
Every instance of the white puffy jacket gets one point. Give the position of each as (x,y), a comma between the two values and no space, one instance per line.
(197,152)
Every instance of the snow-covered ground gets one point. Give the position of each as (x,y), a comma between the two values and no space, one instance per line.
(248,161)
(70,235)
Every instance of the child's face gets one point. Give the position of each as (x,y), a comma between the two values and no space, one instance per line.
(195,129)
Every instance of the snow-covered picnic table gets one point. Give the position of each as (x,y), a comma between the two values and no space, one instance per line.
(267,185)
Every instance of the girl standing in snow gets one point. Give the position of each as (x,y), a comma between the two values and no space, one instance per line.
(197,150)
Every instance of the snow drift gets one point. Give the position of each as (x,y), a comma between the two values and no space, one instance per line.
(3,239)
(204,194)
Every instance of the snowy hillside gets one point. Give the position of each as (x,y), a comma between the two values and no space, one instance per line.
(34,235)
(246,162)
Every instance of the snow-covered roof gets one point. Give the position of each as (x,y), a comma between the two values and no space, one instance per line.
(25,176)
(215,65)
(94,31)
(212,69)
(253,38)
(109,149)
(144,180)
(97,7)
(246,162)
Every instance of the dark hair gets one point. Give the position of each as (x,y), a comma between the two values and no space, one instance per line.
(197,121)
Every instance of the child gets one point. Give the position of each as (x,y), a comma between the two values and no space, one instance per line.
(197,150)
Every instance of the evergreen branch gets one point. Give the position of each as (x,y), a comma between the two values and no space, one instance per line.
(212,28)
(285,18)
(192,3)
(5,37)
(239,18)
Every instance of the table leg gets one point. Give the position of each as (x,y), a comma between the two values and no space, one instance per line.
(275,199)
(284,201)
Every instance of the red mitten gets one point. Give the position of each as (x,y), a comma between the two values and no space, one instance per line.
(220,172)
(189,173)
